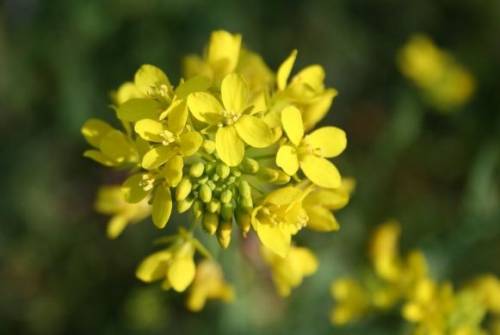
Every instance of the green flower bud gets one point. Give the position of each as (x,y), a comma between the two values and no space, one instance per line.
(224,234)
(250,165)
(210,223)
(211,184)
(243,218)
(236,173)
(197,209)
(223,170)
(184,205)
(226,196)
(205,193)
(227,212)
(283,178)
(245,189)
(209,146)
(246,202)
(183,189)
(213,206)
(196,170)
(269,174)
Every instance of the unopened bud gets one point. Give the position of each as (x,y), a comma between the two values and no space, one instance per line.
(250,165)
(183,189)
(282,179)
(223,170)
(205,193)
(210,223)
(224,234)
(243,218)
(184,205)
(197,209)
(209,146)
(245,189)
(226,196)
(213,206)
(196,170)
(269,174)
(227,212)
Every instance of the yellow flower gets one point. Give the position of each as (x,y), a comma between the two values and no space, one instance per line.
(352,301)
(309,152)
(221,59)
(320,202)
(278,217)
(306,90)
(112,147)
(446,83)
(384,251)
(288,272)
(208,284)
(138,186)
(235,125)
(110,201)
(487,289)
(175,266)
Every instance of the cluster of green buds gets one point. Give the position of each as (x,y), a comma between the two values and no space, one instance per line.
(232,146)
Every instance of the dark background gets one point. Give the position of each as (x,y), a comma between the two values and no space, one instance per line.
(437,173)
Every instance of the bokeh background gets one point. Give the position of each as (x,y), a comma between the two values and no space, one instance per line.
(438,173)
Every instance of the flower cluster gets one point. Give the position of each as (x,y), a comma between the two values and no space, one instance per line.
(233,146)
(429,306)
(445,82)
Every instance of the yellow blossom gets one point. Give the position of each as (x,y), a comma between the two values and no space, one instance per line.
(235,125)
(280,216)
(309,152)
(208,284)
(289,271)
(110,201)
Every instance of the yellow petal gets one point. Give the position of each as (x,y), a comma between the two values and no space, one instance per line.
(223,51)
(287,159)
(229,146)
(150,130)
(320,171)
(177,115)
(148,77)
(162,206)
(195,84)
(328,198)
(307,261)
(285,195)
(137,109)
(94,130)
(273,239)
(99,157)
(190,143)
(109,200)
(291,121)
(125,92)
(312,76)
(172,171)
(204,107)
(234,93)
(153,267)
(156,157)
(116,146)
(285,69)
(254,131)
(321,219)
(181,273)
(327,141)
(132,188)
(116,226)
(317,108)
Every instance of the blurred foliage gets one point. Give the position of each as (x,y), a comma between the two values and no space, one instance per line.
(438,174)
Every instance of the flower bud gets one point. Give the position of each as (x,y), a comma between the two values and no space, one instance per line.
(223,170)
(210,223)
(224,234)
(213,206)
(282,179)
(270,175)
(205,193)
(184,205)
(196,170)
(197,209)
(209,146)
(243,218)
(245,189)
(226,196)
(183,189)
(250,165)
(227,212)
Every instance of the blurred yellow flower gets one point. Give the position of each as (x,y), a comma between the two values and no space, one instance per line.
(111,201)
(289,271)
(446,83)
(208,284)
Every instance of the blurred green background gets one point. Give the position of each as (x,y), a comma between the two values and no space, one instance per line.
(439,174)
